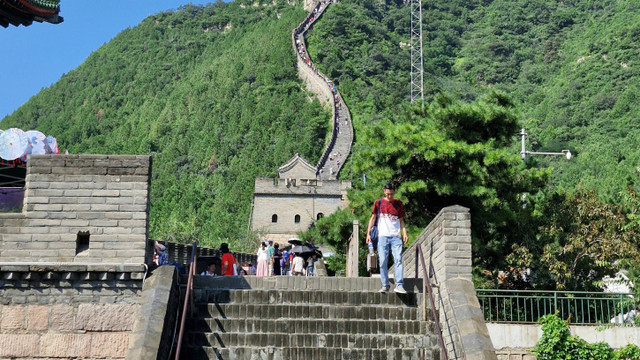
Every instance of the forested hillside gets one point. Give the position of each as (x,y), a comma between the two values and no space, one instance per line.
(569,74)
(210,92)
(571,67)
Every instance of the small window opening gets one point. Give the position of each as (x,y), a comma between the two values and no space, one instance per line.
(82,242)
(319,216)
(274,218)
(297,219)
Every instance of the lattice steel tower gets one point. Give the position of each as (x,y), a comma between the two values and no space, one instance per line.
(417,68)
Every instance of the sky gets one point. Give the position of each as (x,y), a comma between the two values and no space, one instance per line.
(36,56)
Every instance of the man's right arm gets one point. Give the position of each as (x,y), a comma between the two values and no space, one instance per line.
(372,221)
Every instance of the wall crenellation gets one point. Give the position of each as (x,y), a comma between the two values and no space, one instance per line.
(103,197)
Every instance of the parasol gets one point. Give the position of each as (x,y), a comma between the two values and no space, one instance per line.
(295,241)
(13,144)
(52,145)
(303,249)
(36,142)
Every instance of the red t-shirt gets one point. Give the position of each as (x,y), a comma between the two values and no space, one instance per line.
(390,215)
(228,258)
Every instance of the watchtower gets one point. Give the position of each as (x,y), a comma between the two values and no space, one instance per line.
(294,200)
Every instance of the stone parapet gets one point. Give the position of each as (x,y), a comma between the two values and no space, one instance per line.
(266,186)
(446,245)
(80,208)
(51,283)
(153,331)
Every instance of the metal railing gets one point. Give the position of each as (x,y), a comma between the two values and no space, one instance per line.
(579,307)
(188,298)
(427,285)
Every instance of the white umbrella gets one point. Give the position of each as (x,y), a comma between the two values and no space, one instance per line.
(13,144)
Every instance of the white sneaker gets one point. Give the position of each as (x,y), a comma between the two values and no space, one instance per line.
(384,289)
(400,290)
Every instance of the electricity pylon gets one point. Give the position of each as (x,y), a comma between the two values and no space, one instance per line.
(417,68)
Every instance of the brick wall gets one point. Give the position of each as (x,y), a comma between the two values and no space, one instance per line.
(104,196)
(67,311)
(288,201)
(446,245)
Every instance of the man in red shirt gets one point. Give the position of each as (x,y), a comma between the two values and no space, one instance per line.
(390,226)
(228,261)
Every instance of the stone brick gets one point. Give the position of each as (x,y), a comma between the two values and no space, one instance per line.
(65,345)
(61,318)
(46,207)
(13,318)
(106,317)
(76,207)
(105,193)
(109,345)
(19,345)
(104,207)
(37,317)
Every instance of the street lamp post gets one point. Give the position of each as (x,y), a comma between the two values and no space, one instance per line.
(524,152)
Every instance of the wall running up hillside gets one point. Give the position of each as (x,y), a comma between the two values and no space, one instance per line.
(339,147)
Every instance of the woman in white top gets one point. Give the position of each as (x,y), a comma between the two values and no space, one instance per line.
(263,261)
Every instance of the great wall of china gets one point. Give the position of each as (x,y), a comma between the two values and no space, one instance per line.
(76,283)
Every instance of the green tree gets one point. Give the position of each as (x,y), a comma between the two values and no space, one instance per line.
(453,152)
(584,239)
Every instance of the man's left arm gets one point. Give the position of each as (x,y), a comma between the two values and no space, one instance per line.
(405,237)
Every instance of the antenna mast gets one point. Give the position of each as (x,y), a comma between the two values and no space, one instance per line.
(417,69)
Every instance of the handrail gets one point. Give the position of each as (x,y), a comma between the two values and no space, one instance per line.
(527,306)
(188,298)
(436,318)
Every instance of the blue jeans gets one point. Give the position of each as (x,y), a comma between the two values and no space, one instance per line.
(384,243)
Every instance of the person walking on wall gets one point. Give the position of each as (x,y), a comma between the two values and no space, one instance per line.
(390,227)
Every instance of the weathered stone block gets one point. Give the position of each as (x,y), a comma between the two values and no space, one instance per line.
(106,317)
(37,317)
(13,318)
(61,317)
(65,345)
(109,345)
(19,345)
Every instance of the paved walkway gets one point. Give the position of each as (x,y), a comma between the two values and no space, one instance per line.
(339,147)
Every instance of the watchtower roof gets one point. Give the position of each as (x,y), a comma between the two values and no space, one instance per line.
(297,165)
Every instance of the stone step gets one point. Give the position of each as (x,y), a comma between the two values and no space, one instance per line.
(287,340)
(204,295)
(311,353)
(307,311)
(324,283)
(310,326)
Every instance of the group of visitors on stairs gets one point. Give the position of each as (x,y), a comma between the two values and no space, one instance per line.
(272,261)
(339,147)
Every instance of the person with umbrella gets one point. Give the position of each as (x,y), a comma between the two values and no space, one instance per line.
(297,268)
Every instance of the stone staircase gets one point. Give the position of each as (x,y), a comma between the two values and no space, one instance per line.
(307,318)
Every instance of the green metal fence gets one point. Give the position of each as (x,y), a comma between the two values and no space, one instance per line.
(580,307)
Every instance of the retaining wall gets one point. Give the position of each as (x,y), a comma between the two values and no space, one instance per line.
(67,311)
(513,340)
(446,245)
